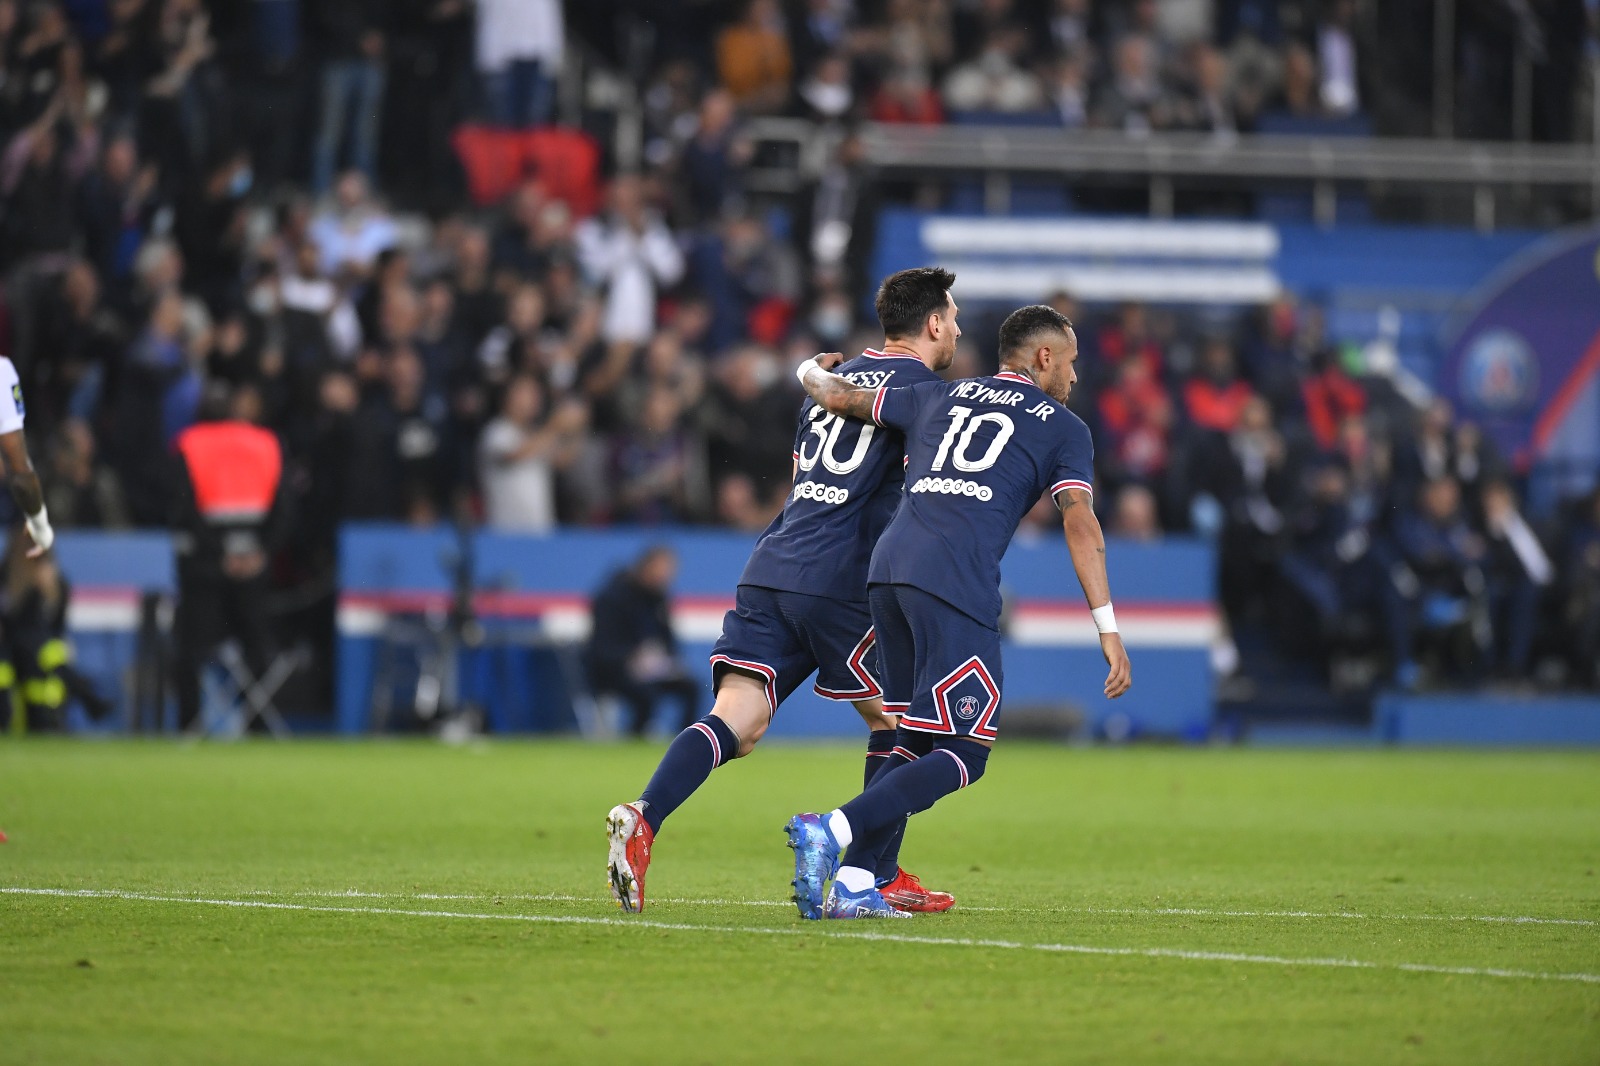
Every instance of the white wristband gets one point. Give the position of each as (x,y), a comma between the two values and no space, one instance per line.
(39,529)
(805,368)
(1105,619)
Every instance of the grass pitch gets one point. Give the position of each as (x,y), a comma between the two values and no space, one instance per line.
(406,902)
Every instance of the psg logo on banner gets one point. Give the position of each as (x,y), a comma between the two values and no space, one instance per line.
(1499,373)
(967,708)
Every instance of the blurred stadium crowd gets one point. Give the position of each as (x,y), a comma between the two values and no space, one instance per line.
(264,199)
(1139,65)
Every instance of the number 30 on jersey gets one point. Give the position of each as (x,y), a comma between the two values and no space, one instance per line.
(827,429)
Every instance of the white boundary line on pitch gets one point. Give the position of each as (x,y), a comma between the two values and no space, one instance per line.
(1009,945)
(1195,912)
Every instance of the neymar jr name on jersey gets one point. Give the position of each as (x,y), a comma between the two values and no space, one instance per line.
(978,392)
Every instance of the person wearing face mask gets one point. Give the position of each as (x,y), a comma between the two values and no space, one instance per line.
(826,93)
(831,319)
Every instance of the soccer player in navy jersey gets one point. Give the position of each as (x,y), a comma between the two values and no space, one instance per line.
(979,453)
(801,603)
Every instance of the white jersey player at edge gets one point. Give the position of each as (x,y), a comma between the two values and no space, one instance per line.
(21,478)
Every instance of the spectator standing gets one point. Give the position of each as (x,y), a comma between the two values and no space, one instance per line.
(520,45)
(1518,570)
(713,158)
(630,253)
(753,59)
(114,206)
(39,172)
(353,38)
(1246,472)
(521,453)
(1337,55)
(270,52)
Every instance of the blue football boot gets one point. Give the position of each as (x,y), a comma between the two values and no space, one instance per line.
(842,903)
(816,859)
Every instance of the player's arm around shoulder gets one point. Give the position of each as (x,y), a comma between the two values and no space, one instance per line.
(1087,545)
(835,394)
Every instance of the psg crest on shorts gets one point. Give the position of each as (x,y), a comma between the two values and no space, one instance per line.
(967,708)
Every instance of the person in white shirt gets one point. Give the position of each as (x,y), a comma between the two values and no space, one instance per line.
(518,457)
(1337,58)
(629,252)
(519,51)
(353,229)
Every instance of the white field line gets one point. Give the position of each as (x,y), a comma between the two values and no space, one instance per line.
(554,897)
(1008,945)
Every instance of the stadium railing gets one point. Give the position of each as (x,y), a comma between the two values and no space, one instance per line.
(1323,163)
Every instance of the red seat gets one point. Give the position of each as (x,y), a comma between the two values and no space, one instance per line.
(497,161)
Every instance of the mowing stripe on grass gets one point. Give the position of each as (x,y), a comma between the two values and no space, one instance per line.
(824,931)
(558,897)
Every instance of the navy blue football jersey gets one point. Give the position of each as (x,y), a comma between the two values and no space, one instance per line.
(847,485)
(980,452)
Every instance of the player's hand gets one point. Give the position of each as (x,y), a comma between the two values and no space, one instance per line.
(1121,676)
(829,360)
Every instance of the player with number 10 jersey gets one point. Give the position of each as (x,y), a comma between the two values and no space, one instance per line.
(980,453)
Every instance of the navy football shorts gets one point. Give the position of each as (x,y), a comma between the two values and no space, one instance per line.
(940,667)
(783,636)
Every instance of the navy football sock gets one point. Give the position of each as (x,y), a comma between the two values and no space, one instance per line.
(880,744)
(689,760)
(888,866)
(905,748)
(905,790)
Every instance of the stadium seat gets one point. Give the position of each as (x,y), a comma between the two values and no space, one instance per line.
(497,161)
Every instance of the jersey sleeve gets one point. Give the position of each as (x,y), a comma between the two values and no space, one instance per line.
(1074,467)
(897,408)
(11,407)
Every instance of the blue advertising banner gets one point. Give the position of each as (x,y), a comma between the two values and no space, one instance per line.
(1523,358)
